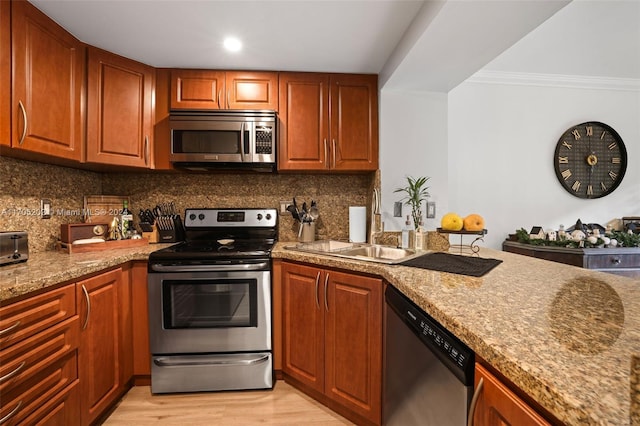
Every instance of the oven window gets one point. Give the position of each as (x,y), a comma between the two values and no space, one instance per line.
(207,142)
(210,303)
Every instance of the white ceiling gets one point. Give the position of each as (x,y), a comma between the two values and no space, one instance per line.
(413,45)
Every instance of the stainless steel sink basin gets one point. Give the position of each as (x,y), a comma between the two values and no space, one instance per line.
(358,251)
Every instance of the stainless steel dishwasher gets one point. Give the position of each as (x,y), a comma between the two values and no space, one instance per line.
(428,372)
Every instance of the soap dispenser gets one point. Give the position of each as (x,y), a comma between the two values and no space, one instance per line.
(405,233)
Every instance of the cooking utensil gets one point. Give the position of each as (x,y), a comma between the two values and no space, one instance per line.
(314,213)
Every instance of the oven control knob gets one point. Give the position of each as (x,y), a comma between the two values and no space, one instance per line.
(201,216)
(259,216)
(192,216)
(268,216)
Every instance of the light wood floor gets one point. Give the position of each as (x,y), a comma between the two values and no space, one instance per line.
(284,405)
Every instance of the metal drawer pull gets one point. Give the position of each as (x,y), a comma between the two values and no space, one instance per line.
(10,329)
(13,373)
(24,130)
(326,303)
(317,283)
(616,261)
(11,414)
(162,362)
(86,296)
(474,402)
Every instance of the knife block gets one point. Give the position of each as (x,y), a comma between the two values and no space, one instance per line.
(174,234)
(152,236)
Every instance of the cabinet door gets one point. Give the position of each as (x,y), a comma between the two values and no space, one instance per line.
(5,73)
(140,320)
(48,65)
(304,121)
(498,405)
(99,357)
(119,110)
(195,89)
(353,343)
(252,90)
(303,324)
(354,122)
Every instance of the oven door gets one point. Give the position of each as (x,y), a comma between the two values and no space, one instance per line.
(207,312)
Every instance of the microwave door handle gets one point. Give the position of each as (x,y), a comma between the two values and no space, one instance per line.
(247,142)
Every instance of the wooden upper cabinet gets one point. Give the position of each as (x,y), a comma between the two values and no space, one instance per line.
(328,122)
(48,84)
(304,121)
(195,89)
(5,73)
(119,110)
(212,90)
(252,90)
(354,122)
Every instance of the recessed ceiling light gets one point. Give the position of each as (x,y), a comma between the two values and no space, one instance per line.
(232,44)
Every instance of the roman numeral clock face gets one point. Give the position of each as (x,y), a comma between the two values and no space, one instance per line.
(590,160)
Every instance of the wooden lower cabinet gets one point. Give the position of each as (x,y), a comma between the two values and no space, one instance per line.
(332,338)
(101,356)
(140,323)
(39,359)
(497,405)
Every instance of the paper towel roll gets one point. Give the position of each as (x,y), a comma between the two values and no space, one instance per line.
(357,224)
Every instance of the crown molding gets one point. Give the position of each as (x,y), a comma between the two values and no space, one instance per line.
(555,80)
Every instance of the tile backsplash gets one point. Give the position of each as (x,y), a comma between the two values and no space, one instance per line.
(23,184)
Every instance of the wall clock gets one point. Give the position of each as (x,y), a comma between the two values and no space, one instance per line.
(590,160)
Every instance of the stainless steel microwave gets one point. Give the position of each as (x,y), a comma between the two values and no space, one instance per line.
(203,140)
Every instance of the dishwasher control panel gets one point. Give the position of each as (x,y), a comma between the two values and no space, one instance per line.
(449,349)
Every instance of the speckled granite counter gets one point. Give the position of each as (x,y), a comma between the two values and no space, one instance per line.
(568,337)
(49,268)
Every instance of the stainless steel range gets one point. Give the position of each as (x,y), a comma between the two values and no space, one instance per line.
(210,303)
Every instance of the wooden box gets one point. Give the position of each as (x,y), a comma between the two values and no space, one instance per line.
(70,232)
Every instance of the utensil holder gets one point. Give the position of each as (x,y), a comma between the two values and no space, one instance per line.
(173,231)
(308,232)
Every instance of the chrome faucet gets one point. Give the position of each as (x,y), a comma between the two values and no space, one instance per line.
(375,214)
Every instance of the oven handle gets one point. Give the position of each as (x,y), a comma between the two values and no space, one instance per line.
(261,266)
(228,361)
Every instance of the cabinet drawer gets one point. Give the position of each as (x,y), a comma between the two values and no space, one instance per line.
(38,371)
(23,319)
(613,261)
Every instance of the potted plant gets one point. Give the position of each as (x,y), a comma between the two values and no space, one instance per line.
(415,193)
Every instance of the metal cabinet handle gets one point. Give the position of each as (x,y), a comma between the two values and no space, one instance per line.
(10,329)
(24,129)
(146,150)
(334,153)
(11,414)
(326,303)
(228,103)
(317,283)
(218,100)
(13,373)
(474,402)
(326,153)
(616,261)
(86,296)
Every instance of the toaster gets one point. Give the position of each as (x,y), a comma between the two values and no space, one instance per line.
(14,247)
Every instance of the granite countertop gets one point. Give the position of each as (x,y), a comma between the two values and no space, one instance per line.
(568,337)
(49,268)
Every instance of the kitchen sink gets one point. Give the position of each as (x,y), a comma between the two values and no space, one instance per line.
(358,251)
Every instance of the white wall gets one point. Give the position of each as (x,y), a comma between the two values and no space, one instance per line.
(413,142)
(501,143)
(488,149)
